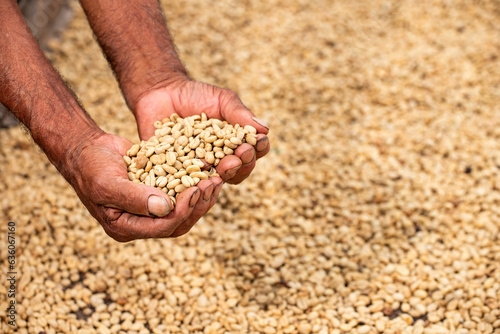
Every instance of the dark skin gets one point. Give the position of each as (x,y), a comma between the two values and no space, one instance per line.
(136,41)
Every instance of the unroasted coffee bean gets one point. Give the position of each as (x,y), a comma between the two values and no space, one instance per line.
(171,159)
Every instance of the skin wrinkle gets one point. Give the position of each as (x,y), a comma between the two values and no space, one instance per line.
(42,121)
(12,94)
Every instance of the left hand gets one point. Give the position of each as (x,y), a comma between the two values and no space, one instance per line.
(126,210)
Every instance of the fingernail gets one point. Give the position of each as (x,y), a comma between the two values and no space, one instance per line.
(158,206)
(244,156)
(208,192)
(194,199)
(251,161)
(218,189)
(232,171)
(261,122)
(262,144)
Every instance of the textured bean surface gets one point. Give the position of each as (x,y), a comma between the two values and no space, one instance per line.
(164,147)
(376,211)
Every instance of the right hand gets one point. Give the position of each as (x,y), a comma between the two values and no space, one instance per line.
(187,97)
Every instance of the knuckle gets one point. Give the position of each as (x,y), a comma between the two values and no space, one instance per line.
(235,182)
(179,233)
(181,230)
(120,238)
(117,235)
(228,96)
(114,229)
(228,93)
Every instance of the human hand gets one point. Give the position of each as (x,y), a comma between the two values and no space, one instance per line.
(186,98)
(126,210)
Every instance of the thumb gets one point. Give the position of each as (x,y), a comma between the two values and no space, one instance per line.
(235,112)
(139,199)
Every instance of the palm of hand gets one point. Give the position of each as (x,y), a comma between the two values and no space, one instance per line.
(193,98)
(186,99)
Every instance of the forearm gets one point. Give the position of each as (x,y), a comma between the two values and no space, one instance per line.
(35,93)
(136,41)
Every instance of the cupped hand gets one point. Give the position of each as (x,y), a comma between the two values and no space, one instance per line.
(126,210)
(186,98)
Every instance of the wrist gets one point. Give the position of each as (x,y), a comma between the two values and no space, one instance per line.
(72,164)
(135,38)
(70,157)
(62,142)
